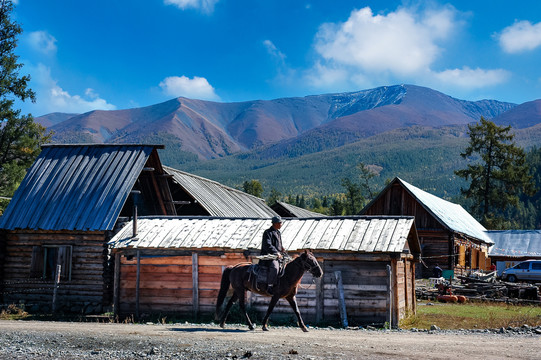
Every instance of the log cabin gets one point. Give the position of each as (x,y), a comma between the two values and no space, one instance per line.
(449,236)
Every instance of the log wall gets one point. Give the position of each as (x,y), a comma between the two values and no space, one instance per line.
(84,292)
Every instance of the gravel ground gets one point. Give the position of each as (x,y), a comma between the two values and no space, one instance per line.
(71,340)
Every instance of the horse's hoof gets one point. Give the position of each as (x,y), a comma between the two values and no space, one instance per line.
(222,326)
(264,328)
(304,329)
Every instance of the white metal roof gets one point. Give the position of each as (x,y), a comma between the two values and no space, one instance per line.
(356,234)
(515,243)
(449,214)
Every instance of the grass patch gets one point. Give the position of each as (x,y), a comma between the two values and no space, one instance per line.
(472,316)
(13,312)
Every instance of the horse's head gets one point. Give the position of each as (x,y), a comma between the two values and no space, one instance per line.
(309,263)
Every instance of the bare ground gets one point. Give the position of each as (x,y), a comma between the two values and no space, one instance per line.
(65,340)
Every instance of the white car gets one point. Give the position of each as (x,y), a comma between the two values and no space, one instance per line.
(529,270)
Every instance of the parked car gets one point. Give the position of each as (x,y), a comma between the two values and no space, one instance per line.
(529,270)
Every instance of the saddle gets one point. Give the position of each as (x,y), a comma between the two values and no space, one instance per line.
(258,276)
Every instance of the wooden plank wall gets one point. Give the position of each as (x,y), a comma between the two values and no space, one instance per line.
(86,287)
(405,288)
(166,283)
(365,291)
(166,286)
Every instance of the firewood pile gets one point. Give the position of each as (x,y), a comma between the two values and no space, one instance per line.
(479,287)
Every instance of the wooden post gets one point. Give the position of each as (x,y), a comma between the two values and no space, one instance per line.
(390,301)
(394,282)
(116,286)
(341,299)
(55,288)
(319,300)
(137,279)
(195,284)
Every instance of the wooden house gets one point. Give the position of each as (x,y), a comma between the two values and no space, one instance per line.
(513,246)
(174,265)
(71,202)
(449,236)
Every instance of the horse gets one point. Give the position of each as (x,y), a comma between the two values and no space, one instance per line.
(239,278)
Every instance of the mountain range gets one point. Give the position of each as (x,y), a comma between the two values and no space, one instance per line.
(275,141)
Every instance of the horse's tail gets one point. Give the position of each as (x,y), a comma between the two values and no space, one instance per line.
(224,287)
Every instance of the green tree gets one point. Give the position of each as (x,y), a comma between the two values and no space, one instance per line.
(20,136)
(357,192)
(253,187)
(354,197)
(274,196)
(498,175)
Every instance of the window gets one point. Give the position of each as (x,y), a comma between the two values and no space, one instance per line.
(523,266)
(536,266)
(45,260)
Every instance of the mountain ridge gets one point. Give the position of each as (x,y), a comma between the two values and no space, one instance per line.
(213,130)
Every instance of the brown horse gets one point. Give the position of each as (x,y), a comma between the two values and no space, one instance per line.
(239,276)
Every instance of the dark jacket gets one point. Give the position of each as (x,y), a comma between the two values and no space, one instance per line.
(272,242)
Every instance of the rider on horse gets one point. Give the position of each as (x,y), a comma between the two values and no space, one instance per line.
(272,245)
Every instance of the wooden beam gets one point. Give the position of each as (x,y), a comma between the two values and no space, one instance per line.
(320,298)
(341,299)
(195,283)
(137,280)
(116,286)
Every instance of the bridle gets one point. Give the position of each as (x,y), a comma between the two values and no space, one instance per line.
(306,266)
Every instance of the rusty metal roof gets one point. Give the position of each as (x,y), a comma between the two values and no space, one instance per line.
(288,210)
(218,199)
(76,187)
(356,234)
(451,215)
(515,243)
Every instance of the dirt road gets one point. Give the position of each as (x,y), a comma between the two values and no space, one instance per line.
(63,340)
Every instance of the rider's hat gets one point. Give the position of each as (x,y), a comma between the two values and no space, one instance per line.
(276,219)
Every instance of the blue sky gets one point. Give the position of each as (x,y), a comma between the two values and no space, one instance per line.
(118,54)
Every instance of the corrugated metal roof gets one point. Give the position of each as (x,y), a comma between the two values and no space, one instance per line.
(515,243)
(296,211)
(218,199)
(451,215)
(76,187)
(356,234)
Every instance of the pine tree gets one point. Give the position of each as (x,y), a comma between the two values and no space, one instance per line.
(20,136)
(498,175)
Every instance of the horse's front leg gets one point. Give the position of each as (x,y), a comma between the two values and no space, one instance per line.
(273,302)
(227,308)
(242,304)
(292,300)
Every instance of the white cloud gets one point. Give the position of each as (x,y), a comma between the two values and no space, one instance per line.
(325,77)
(204,5)
(400,42)
(198,87)
(42,42)
(472,78)
(403,46)
(52,98)
(273,50)
(521,36)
